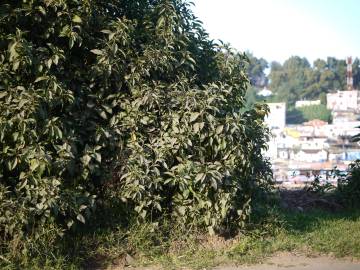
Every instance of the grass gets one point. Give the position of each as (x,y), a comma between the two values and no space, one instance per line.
(310,233)
(313,233)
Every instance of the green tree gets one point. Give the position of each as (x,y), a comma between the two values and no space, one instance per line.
(124,102)
(307,113)
(312,112)
(296,79)
(289,80)
(356,73)
(256,70)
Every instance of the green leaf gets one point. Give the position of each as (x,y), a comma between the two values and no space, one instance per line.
(34,163)
(76,19)
(200,177)
(39,206)
(160,22)
(12,51)
(103,115)
(194,116)
(97,52)
(16,65)
(39,79)
(24,183)
(107,108)
(143,213)
(41,9)
(80,218)
(113,120)
(58,132)
(15,162)
(181,210)
(48,63)
(56,59)
(70,223)
(211,230)
(15,136)
(86,159)
(213,183)
(71,42)
(111,36)
(98,157)
(198,126)
(219,129)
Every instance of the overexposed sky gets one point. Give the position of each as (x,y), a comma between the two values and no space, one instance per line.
(278,29)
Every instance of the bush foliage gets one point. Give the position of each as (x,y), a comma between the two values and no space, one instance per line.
(307,113)
(122,99)
(349,185)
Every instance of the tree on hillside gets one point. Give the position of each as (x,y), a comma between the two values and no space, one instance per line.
(307,113)
(296,79)
(288,80)
(356,73)
(256,70)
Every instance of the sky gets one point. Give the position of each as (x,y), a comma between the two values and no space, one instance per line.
(278,29)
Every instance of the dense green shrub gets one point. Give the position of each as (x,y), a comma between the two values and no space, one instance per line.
(349,185)
(307,113)
(122,99)
(316,112)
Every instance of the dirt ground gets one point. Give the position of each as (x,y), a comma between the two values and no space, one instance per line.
(298,262)
(284,261)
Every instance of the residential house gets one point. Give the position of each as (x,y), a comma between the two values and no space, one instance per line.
(343,100)
(277,115)
(310,155)
(302,103)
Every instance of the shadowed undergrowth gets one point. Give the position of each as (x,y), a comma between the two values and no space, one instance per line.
(173,247)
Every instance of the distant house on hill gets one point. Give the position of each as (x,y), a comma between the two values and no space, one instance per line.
(265,92)
(343,100)
(277,115)
(315,123)
(342,116)
(313,142)
(302,103)
(310,155)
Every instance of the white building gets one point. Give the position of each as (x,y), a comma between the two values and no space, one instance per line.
(313,143)
(302,103)
(343,100)
(310,155)
(344,116)
(342,129)
(265,92)
(277,115)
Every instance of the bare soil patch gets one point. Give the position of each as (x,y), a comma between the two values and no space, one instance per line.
(298,262)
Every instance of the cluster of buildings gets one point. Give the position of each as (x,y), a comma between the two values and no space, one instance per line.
(299,152)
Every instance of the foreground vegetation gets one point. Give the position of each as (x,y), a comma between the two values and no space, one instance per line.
(122,107)
(109,243)
(124,132)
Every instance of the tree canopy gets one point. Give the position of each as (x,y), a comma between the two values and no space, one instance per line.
(126,103)
(256,70)
(296,79)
